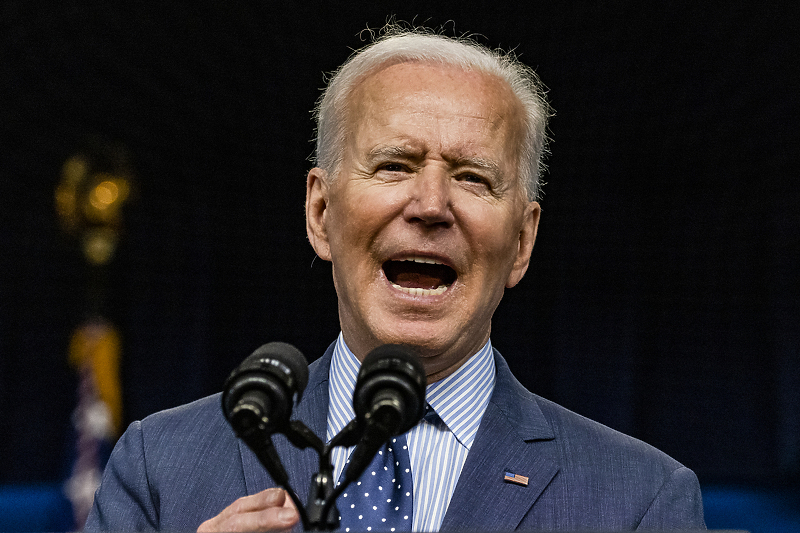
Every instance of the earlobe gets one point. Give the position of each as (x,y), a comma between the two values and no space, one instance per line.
(527,238)
(316,206)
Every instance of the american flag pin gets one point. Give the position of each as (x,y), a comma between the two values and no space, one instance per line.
(516,478)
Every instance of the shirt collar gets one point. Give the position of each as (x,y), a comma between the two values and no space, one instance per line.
(460,399)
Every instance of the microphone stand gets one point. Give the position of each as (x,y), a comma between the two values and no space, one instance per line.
(320,513)
(323,514)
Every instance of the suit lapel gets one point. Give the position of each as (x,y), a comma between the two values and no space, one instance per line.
(515,437)
(300,465)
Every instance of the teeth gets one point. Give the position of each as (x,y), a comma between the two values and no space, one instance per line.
(426,260)
(421,292)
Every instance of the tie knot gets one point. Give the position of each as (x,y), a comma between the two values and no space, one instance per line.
(430,414)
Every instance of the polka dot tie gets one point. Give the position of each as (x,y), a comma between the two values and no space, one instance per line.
(382,498)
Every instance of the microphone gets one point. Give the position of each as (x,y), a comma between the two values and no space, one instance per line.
(257,401)
(389,399)
(259,394)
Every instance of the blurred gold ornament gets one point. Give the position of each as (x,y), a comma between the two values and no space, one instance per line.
(95,184)
(99,245)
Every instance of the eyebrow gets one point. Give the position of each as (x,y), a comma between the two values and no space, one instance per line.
(381,152)
(405,152)
(484,164)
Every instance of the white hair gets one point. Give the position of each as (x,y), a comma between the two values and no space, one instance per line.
(398,45)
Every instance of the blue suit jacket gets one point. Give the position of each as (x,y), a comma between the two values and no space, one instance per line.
(177,468)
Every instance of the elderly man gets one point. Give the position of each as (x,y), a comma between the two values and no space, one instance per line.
(424,200)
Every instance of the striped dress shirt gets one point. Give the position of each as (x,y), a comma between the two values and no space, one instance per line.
(437,448)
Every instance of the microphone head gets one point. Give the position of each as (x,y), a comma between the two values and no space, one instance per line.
(391,381)
(264,387)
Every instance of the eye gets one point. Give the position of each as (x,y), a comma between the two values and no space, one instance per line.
(392,167)
(469,177)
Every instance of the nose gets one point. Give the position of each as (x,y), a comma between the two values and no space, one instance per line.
(430,199)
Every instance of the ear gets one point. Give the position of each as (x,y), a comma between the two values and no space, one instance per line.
(527,236)
(316,207)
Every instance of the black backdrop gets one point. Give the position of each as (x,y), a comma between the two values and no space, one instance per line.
(662,297)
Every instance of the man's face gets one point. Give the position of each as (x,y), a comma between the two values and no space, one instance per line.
(426,222)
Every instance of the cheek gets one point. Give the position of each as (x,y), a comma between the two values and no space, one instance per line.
(355,220)
(371,206)
(495,239)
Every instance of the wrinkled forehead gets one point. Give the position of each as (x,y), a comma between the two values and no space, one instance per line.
(444,87)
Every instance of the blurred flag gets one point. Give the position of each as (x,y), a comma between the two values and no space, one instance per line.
(94,352)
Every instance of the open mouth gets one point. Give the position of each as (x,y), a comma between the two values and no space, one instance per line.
(419,276)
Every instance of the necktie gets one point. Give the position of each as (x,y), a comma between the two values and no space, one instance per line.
(382,499)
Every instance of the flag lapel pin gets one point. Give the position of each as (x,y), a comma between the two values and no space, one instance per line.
(516,478)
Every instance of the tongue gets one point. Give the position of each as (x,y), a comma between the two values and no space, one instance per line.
(412,275)
(417,280)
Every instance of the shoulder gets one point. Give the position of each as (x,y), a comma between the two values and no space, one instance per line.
(580,441)
(188,436)
(661,492)
(197,429)
(192,416)
(610,474)
(171,470)
(585,443)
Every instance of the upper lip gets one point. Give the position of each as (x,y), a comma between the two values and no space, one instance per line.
(422,258)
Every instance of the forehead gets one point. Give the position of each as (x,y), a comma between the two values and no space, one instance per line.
(466,110)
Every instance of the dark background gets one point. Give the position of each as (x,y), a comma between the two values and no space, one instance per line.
(662,299)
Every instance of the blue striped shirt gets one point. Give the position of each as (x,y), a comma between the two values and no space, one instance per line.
(437,450)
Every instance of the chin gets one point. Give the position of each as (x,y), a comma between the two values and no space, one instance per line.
(425,342)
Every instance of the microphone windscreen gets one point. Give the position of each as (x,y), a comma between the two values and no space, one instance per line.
(396,369)
(286,354)
(269,381)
